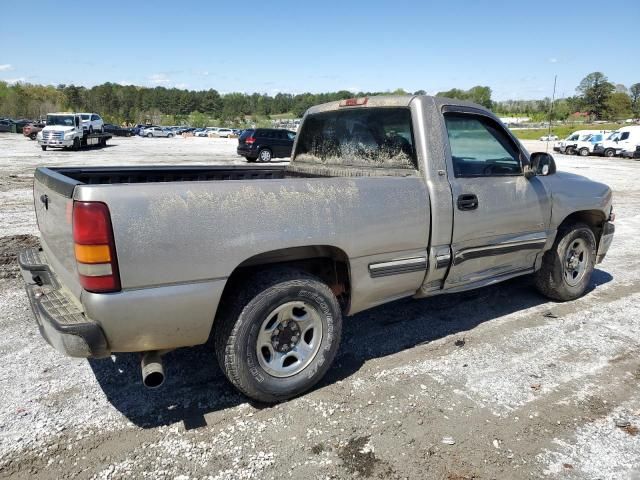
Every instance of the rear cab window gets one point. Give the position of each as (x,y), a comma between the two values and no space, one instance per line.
(372,138)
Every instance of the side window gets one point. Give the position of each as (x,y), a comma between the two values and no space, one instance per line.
(480,147)
(624,136)
(291,136)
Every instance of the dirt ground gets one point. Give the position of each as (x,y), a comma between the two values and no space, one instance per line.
(497,383)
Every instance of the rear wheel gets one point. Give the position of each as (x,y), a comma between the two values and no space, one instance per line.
(33,136)
(569,151)
(76,144)
(583,152)
(170,135)
(250,159)
(43,147)
(566,268)
(265,155)
(279,336)
(149,135)
(609,152)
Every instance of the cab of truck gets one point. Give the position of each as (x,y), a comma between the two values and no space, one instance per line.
(64,129)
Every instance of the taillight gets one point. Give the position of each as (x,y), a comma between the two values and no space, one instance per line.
(250,140)
(94,247)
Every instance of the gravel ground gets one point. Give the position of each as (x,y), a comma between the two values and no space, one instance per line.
(496,383)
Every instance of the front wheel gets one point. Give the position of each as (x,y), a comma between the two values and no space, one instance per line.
(33,136)
(170,135)
(566,268)
(149,135)
(609,152)
(279,336)
(583,152)
(569,151)
(91,130)
(43,147)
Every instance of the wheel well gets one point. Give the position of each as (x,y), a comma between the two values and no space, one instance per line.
(329,264)
(593,218)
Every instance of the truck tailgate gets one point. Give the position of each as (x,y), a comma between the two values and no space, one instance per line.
(53,201)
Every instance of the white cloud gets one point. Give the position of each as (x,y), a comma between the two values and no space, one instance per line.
(553,60)
(6,67)
(181,85)
(159,79)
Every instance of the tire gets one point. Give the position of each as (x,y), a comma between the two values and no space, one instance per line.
(251,159)
(149,135)
(583,152)
(43,147)
(76,144)
(609,153)
(33,136)
(170,135)
(569,151)
(556,279)
(90,129)
(265,155)
(264,310)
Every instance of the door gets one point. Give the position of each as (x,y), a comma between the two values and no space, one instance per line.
(500,216)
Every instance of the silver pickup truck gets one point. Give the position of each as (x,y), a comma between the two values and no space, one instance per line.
(385,197)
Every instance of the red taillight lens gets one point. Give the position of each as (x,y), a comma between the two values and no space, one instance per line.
(95,247)
(250,140)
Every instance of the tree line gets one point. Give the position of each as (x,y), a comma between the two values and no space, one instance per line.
(134,104)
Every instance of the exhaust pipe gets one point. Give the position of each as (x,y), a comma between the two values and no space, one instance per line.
(152,369)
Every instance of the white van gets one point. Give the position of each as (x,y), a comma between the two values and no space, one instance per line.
(586,147)
(625,138)
(568,145)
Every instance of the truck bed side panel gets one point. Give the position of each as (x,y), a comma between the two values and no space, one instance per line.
(184,232)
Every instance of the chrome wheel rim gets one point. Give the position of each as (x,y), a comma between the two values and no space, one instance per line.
(289,339)
(575,261)
(265,156)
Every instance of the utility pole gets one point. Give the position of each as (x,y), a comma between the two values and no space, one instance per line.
(553,98)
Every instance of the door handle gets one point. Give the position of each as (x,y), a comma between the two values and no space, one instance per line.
(467,201)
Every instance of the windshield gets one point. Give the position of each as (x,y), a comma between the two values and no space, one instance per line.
(365,137)
(613,136)
(585,137)
(573,137)
(62,120)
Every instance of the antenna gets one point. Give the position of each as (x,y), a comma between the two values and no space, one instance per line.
(553,98)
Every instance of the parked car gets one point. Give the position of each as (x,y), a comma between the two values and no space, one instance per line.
(626,138)
(117,130)
(265,144)
(548,138)
(384,198)
(631,153)
(31,130)
(203,132)
(137,130)
(224,132)
(92,122)
(5,125)
(157,132)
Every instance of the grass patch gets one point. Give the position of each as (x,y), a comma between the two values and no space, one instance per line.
(562,131)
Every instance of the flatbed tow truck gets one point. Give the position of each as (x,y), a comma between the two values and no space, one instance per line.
(64,130)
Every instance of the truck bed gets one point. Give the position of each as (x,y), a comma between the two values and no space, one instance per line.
(64,179)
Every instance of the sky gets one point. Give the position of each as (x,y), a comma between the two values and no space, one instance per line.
(514,47)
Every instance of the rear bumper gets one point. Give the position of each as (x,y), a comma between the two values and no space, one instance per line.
(246,151)
(605,241)
(60,321)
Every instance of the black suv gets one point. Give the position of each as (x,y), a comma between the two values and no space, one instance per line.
(265,144)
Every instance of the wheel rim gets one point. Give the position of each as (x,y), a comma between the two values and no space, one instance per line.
(575,262)
(265,156)
(289,339)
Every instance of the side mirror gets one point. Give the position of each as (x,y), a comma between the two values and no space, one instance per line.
(542,164)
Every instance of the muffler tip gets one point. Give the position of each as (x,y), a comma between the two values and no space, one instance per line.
(152,370)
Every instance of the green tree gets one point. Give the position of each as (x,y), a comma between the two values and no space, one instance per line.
(619,106)
(595,91)
(634,91)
